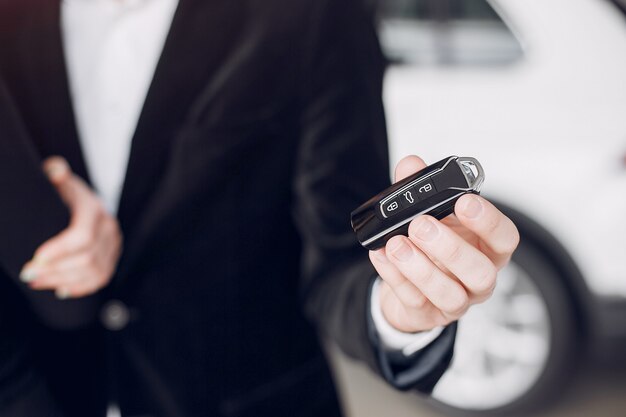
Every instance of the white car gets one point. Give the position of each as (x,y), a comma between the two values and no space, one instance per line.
(536,91)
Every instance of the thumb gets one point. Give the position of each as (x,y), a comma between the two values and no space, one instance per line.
(85,209)
(57,169)
(59,173)
(71,188)
(407,166)
(66,183)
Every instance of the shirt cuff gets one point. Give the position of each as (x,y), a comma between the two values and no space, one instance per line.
(393,339)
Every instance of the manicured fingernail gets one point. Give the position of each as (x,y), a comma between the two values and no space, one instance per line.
(401,251)
(40,259)
(426,230)
(473,208)
(55,170)
(28,275)
(62,293)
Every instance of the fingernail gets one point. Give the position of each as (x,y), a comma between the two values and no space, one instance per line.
(40,259)
(473,208)
(401,251)
(426,230)
(380,255)
(28,275)
(56,169)
(62,293)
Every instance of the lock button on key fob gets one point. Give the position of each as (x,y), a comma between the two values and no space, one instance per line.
(433,190)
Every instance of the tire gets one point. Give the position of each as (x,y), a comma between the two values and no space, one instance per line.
(538,283)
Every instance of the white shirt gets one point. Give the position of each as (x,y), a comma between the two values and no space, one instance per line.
(112,48)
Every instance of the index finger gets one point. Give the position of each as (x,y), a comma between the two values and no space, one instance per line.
(498,236)
(85,214)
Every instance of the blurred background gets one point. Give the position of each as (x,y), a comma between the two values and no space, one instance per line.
(536,90)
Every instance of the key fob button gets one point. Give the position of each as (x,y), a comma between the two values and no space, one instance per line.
(424,189)
(392,207)
(409,197)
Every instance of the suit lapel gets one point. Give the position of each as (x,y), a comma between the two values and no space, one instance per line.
(200,37)
(46,88)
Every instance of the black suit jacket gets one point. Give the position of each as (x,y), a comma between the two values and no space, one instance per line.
(262,129)
(21,385)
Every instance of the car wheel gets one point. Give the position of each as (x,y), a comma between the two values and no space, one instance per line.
(517,350)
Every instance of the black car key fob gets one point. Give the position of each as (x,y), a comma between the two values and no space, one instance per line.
(434,190)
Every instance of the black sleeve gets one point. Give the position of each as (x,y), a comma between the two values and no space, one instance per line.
(23,391)
(30,213)
(343,161)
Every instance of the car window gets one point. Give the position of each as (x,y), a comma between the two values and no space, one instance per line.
(445,33)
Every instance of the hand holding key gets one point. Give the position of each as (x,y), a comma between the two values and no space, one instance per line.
(431,277)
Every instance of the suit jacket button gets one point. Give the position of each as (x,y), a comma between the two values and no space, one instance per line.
(115,315)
